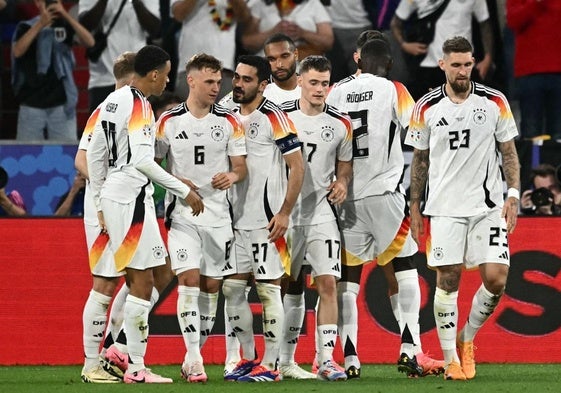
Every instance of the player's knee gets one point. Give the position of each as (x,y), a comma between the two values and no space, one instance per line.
(269,294)
(232,288)
(496,285)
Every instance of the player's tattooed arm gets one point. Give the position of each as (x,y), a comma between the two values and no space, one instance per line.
(511,169)
(419,173)
(511,165)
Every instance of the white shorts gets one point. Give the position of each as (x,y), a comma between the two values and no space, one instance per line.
(469,240)
(254,253)
(319,245)
(200,247)
(135,235)
(100,254)
(375,227)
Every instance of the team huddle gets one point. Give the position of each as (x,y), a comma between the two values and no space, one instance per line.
(286,175)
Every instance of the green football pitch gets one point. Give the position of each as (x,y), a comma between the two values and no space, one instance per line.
(508,378)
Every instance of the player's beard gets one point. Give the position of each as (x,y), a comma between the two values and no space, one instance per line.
(289,72)
(460,86)
(245,98)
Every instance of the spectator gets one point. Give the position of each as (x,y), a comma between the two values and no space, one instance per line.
(305,21)
(72,203)
(11,204)
(544,198)
(537,64)
(6,17)
(42,65)
(138,20)
(349,19)
(422,46)
(208,26)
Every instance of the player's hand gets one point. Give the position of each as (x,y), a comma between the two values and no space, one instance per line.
(417,224)
(337,192)
(195,201)
(101,220)
(510,213)
(223,180)
(191,185)
(277,227)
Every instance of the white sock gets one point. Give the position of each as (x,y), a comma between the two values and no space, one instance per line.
(208,302)
(446,318)
(94,318)
(409,300)
(240,315)
(347,293)
(189,321)
(327,335)
(136,325)
(482,306)
(116,316)
(294,310)
(231,340)
(273,319)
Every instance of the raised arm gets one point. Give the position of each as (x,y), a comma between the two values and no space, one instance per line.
(148,21)
(90,19)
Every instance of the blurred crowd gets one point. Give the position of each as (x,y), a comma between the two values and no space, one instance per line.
(514,40)
(515,53)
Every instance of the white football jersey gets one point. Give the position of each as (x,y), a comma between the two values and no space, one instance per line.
(278,96)
(197,149)
(464,176)
(125,120)
(270,134)
(90,211)
(379,109)
(325,138)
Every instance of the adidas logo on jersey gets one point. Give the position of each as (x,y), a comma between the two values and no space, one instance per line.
(182,135)
(336,268)
(504,255)
(442,122)
(261,270)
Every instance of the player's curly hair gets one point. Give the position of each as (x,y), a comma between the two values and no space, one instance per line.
(150,58)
